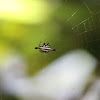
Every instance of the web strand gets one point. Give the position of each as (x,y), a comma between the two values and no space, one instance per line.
(86,30)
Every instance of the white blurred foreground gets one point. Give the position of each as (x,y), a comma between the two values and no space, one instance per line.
(64,79)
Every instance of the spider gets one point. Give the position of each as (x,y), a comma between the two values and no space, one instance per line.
(45,48)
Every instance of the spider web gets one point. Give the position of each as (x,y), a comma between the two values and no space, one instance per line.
(85,23)
(82,22)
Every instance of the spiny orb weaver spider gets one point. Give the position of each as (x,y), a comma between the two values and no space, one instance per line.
(45,48)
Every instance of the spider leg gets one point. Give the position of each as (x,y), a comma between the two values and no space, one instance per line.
(53,49)
(47,43)
(40,50)
(46,51)
(43,43)
(40,43)
(36,47)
